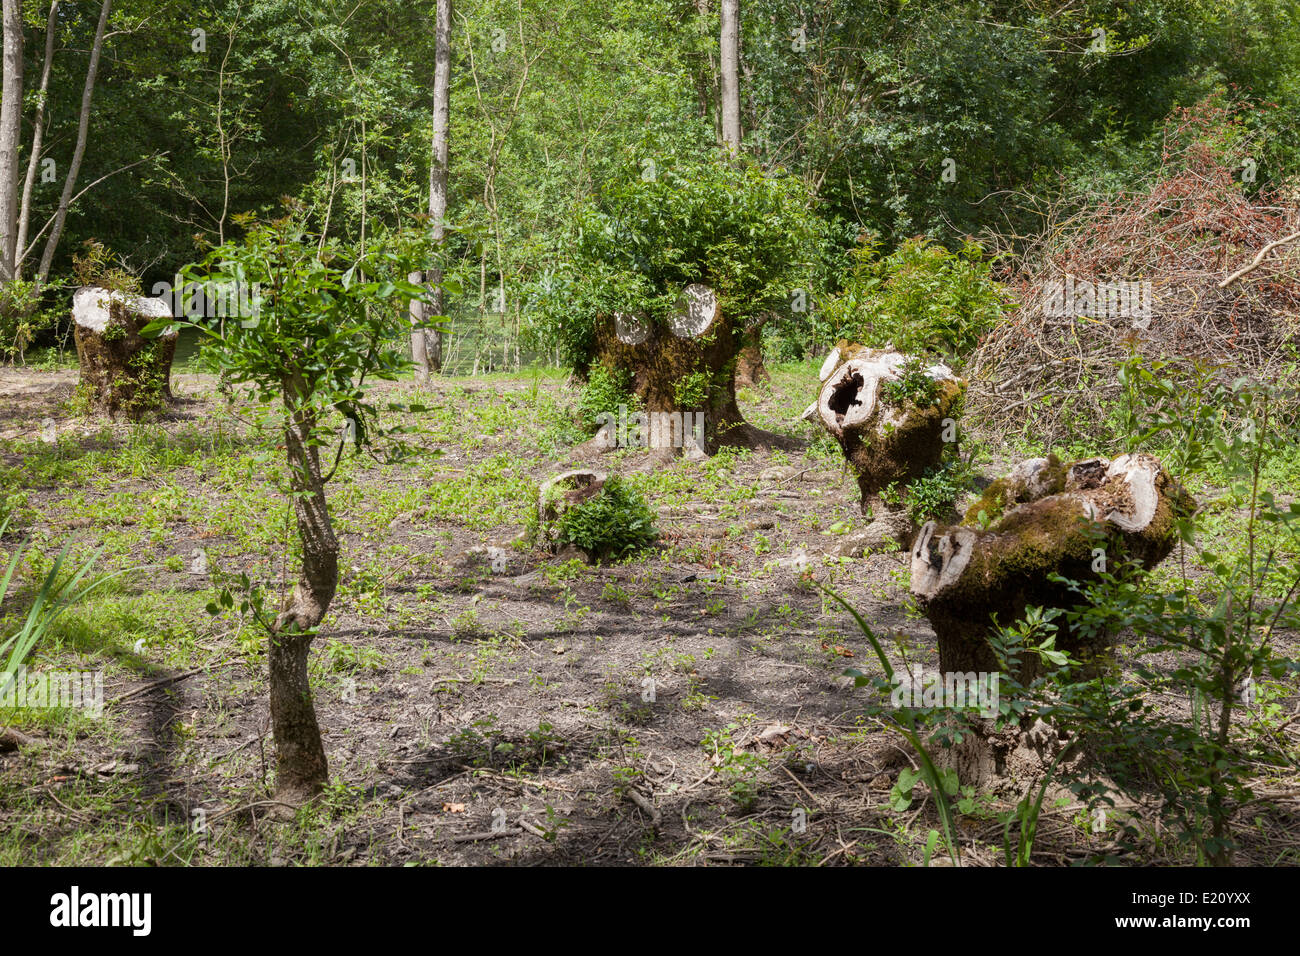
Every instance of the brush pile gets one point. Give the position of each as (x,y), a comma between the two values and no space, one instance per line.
(1147,270)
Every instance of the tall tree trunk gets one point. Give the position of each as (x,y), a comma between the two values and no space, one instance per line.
(438,162)
(301,768)
(83,126)
(729,74)
(11,119)
(38,135)
(750,369)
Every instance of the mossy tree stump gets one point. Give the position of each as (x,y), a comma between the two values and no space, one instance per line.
(685,366)
(123,374)
(1044,518)
(557,495)
(889,436)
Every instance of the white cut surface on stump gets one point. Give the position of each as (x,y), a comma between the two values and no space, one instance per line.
(90,308)
(1140,471)
(873,367)
(696,310)
(630,328)
(828,366)
(872,371)
(954,551)
(1031,475)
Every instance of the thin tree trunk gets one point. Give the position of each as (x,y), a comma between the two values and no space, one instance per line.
(83,126)
(419,341)
(750,369)
(729,74)
(438,167)
(426,350)
(706,80)
(38,136)
(301,768)
(11,119)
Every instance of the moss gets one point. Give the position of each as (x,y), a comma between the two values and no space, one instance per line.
(1005,493)
(881,456)
(1014,558)
(991,504)
(122,373)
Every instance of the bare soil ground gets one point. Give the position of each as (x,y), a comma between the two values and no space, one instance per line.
(687,706)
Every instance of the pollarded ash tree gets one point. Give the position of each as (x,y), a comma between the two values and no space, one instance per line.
(666,271)
(327,319)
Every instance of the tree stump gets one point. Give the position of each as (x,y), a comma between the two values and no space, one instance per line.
(557,495)
(1042,518)
(686,366)
(122,373)
(1046,518)
(887,438)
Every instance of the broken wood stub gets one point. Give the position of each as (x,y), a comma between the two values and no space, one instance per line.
(557,495)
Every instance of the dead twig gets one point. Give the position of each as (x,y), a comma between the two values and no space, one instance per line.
(642,801)
(1259,257)
(152,685)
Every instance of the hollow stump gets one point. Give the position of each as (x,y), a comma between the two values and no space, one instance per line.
(1063,520)
(887,440)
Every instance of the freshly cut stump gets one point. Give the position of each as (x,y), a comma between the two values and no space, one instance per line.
(886,440)
(123,374)
(1069,520)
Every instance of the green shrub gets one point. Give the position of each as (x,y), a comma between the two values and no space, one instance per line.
(933,496)
(913,385)
(605,391)
(615,522)
(920,298)
(20,318)
(691,390)
(747,234)
(1202,633)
